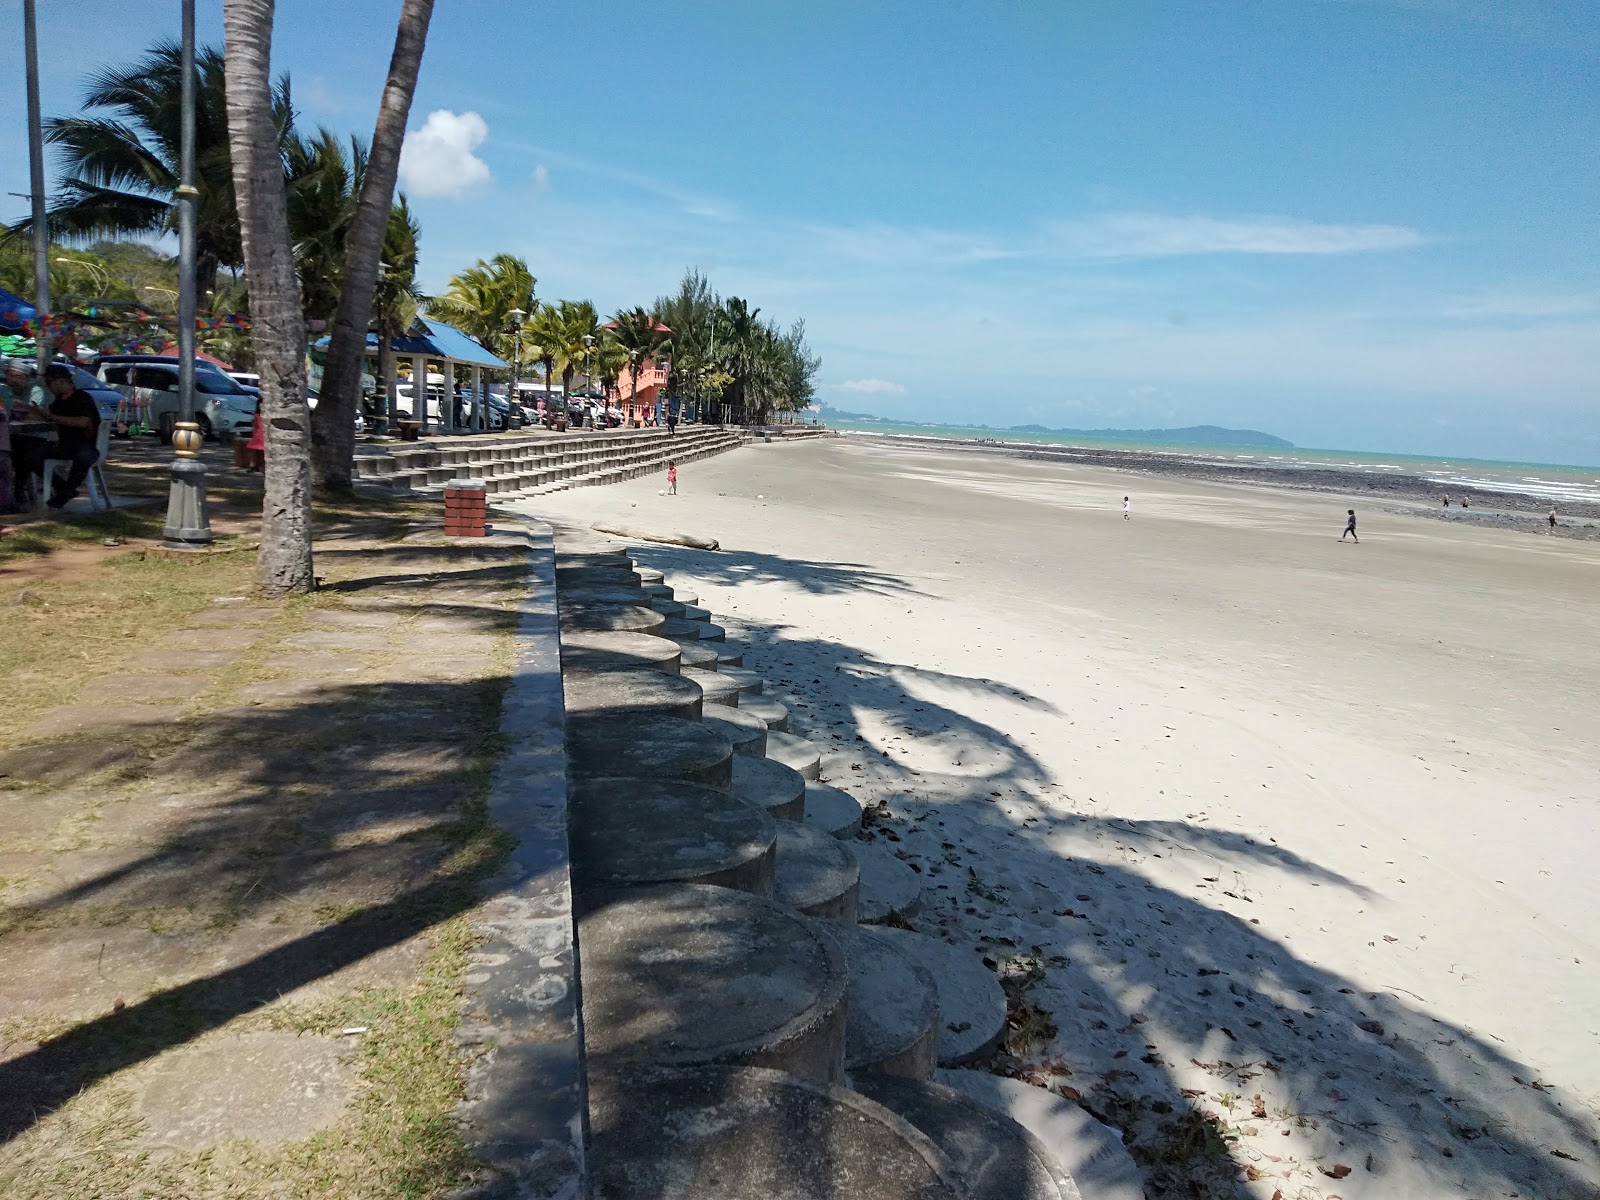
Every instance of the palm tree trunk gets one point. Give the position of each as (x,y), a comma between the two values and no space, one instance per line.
(283,565)
(332,425)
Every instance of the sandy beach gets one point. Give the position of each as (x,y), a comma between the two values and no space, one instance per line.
(1302,834)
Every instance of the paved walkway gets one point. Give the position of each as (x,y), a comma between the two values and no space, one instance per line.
(232,877)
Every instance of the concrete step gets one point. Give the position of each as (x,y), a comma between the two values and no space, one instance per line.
(593,558)
(685,597)
(716,686)
(972,1008)
(692,654)
(592,617)
(712,1133)
(893,1005)
(747,734)
(793,751)
(656,591)
(646,746)
(599,594)
(1091,1154)
(687,975)
(636,832)
(583,651)
(693,612)
(887,884)
(630,690)
(649,576)
(815,874)
(677,627)
(831,811)
(996,1158)
(707,632)
(668,608)
(607,577)
(749,682)
(769,785)
(729,655)
(773,712)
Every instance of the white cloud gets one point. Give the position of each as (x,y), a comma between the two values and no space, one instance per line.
(438,159)
(541,181)
(873,387)
(1151,235)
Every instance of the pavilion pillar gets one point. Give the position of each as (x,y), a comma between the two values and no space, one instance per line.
(478,405)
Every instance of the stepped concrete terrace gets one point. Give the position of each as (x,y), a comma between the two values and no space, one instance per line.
(743,1035)
(529,463)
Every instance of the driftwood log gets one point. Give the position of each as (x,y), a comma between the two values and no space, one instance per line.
(670,539)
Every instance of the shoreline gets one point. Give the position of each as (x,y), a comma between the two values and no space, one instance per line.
(1503,509)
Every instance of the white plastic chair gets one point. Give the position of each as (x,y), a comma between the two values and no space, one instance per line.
(95,478)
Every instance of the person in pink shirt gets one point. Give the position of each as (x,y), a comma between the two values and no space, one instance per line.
(672,479)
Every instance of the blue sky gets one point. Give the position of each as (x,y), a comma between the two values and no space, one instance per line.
(1367,224)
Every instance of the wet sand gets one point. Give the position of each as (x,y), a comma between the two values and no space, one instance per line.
(1304,832)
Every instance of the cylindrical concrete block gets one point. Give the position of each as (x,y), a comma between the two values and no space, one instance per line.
(630,690)
(647,746)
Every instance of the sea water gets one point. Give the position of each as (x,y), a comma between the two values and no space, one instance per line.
(1546,480)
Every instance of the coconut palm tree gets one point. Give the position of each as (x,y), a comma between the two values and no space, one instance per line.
(120,167)
(607,361)
(367,246)
(283,564)
(578,321)
(543,338)
(323,181)
(395,300)
(479,300)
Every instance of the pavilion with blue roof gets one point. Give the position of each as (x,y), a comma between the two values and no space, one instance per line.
(429,341)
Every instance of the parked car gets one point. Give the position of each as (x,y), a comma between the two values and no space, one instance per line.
(106,399)
(222,407)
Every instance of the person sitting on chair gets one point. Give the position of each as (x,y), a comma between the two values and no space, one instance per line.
(77,421)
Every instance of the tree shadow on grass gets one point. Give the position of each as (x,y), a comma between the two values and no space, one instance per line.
(289,843)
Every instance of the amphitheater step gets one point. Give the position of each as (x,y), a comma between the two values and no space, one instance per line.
(687,975)
(832,811)
(769,784)
(594,617)
(610,651)
(649,576)
(713,1133)
(707,632)
(815,874)
(729,655)
(1091,1154)
(668,608)
(630,690)
(892,1003)
(887,884)
(607,577)
(747,734)
(656,591)
(601,594)
(677,627)
(792,751)
(972,1008)
(773,712)
(685,597)
(996,1158)
(692,654)
(633,832)
(693,612)
(717,687)
(750,684)
(647,746)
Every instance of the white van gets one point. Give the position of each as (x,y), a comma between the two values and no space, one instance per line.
(222,407)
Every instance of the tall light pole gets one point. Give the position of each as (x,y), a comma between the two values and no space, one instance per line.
(188,521)
(588,377)
(41,230)
(514,392)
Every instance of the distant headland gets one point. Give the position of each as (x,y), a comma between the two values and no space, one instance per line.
(1190,435)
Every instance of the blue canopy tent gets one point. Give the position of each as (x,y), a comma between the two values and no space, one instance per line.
(15,312)
(430,341)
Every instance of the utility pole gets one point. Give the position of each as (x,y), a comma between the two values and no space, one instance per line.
(188,521)
(41,230)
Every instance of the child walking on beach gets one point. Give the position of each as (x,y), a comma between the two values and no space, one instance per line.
(672,479)
(1350,527)
(1127,508)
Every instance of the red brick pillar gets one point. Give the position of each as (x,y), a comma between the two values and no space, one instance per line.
(466,508)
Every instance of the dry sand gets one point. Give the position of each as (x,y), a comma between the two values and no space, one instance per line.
(1304,831)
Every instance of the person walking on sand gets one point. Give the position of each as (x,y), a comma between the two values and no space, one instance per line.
(1552,518)
(1447,499)
(1127,508)
(672,479)
(1350,528)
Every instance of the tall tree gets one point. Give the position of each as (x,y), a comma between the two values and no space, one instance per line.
(120,169)
(642,336)
(283,564)
(323,180)
(333,424)
(396,300)
(579,321)
(543,338)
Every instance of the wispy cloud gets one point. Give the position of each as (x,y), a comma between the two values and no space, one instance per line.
(895,246)
(694,204)
(541,181)
(873,387)
(1153,235)
(438,159)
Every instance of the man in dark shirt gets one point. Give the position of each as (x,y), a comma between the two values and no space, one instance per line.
(77,420)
